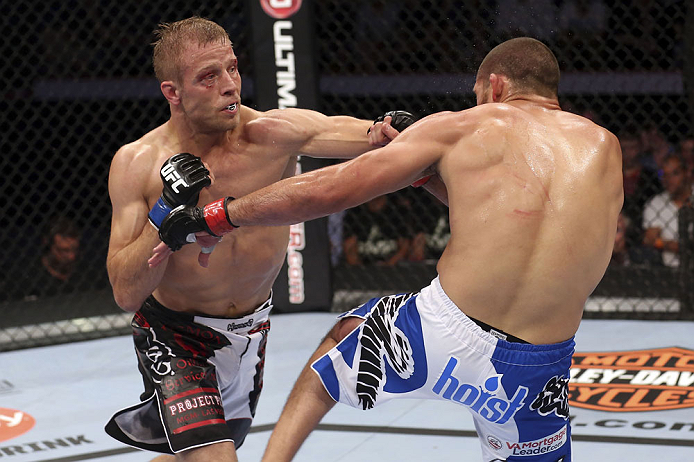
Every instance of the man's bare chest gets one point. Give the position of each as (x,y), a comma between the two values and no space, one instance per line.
(238,175)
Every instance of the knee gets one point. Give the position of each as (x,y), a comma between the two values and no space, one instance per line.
(343,328)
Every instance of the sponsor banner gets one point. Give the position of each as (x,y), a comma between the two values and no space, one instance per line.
(14,423)
(633,381)
(660,426)
(280,9)
(284,56)
(285,77)
(480,399)
(540,446)
(194,408)
(19,451)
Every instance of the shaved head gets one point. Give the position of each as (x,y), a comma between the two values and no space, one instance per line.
(528,63)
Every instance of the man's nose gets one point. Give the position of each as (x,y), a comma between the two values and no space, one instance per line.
(229,83)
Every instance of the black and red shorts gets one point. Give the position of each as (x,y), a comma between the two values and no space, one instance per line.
(202,378)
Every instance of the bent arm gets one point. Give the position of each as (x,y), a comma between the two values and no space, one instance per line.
(132,237)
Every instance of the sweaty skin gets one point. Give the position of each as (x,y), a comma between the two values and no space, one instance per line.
(245,150)
(533,195)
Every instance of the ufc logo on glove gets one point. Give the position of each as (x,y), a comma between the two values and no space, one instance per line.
(169,173)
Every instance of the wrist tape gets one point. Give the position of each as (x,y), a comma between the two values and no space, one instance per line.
(158,213)
(217,217)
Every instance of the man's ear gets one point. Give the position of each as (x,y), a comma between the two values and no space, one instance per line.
(170,92)
(498,84)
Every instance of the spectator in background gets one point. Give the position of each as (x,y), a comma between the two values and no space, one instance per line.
(376,234)
(660,213)
(640,184)
(655,146)
(620,252)
(335,234)
(54,272)
(433,229)
(685,150)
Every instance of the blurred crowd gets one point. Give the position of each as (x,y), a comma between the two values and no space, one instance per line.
(657,185)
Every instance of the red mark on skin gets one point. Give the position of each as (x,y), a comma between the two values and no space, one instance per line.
(523,213)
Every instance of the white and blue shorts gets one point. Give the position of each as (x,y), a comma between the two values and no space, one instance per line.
(423,346)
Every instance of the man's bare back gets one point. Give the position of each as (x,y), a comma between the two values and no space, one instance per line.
(528,245)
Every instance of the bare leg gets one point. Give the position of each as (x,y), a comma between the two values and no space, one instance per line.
(164,458)
(307,403)
(218,452)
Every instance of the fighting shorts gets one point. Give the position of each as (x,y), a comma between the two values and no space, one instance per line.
(202,377)
(423,346)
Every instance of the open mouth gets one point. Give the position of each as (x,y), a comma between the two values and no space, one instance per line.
(231,107)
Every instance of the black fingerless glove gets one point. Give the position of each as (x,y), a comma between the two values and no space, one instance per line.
(183,176)
(400,120)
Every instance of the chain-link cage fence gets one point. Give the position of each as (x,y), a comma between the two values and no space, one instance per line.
(77,83)
(621,66)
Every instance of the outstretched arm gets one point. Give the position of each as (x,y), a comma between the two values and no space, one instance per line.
(317,135)
(331,189)
(320,192)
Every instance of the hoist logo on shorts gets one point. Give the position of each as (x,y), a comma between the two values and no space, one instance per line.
(14,423)
(280,9)
(483,400)
(627,381)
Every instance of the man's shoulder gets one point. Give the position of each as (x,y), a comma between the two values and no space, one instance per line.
(146,150)
(488,115)
(280,127)
(257,121)
(281,117)
(455,121)
(135,161)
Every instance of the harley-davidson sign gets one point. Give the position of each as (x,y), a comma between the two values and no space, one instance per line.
(628,381)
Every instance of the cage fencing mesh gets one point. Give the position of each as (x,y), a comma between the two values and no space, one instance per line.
(77,83)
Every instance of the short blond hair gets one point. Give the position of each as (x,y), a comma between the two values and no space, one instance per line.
(173,39)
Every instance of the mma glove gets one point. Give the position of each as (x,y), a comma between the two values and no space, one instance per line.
(183,175)
(400,120)
(178,228)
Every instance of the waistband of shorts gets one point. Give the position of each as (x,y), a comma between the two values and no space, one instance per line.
(498,333)
(237,325)
(455,320)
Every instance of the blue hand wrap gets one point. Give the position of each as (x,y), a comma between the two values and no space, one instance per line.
(158,213)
